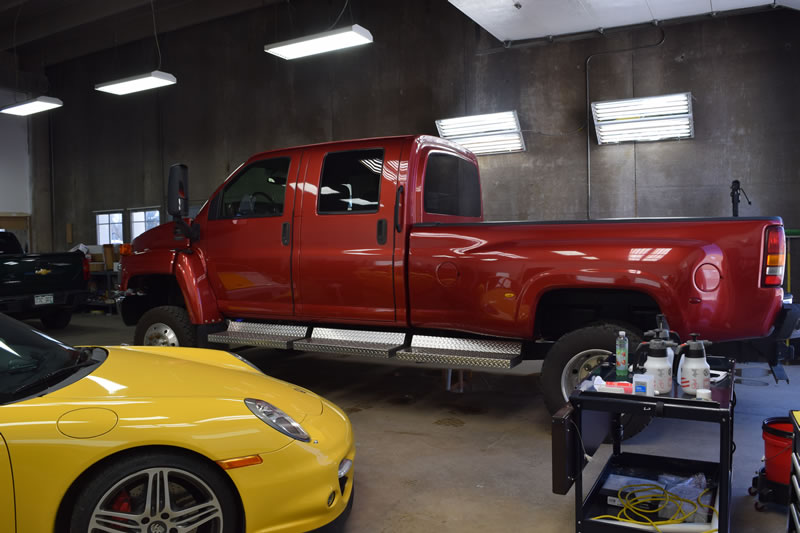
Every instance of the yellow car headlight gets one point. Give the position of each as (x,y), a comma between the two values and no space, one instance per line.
(277,419)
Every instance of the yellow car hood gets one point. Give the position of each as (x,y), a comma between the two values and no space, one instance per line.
(155,372)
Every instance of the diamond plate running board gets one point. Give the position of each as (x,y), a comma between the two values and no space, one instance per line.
(347,341)
(447,352)
(257,334)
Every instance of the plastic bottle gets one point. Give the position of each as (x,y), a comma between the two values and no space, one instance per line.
(659,366)
(694,372)
(622,355)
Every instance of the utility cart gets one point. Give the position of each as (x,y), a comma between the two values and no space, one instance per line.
(590,417)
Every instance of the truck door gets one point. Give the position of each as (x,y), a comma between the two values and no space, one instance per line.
(7,511)
(249,239)
(344,262)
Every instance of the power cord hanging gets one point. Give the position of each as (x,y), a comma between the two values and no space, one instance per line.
(155,33)
(335,22)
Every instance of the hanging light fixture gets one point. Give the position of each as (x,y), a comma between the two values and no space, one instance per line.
(319,43)
(655,118)
(133,84)
(494,133)
(140,82)
(37,105)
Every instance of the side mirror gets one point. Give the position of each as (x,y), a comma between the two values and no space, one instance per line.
(178,191)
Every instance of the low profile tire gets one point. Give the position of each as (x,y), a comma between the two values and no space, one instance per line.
(575,355)
(154,493)
(167,325)
(56,319)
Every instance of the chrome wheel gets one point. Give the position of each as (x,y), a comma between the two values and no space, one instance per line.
(579,367)
(158,500)
(160,334)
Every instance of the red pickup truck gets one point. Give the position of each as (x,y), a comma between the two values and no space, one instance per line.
(378,248)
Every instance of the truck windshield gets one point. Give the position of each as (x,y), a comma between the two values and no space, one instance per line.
(31,361)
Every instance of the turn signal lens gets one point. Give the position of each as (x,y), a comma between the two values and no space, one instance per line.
(125,249)
(239,462)
(774,257)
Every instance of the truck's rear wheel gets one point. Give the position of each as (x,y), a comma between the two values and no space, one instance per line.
(167,325)
(575,355)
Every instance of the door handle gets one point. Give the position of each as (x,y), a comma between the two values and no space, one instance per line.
(382,227)
(398,197)
(286,233)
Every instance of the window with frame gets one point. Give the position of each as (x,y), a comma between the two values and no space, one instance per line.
(258,190)
(350,182)
(143,220)
(109,227)
(452,186)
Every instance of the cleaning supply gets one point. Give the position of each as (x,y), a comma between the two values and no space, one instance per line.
(694,372)
(643,384)
(777,435)
(658,366)
(622,355)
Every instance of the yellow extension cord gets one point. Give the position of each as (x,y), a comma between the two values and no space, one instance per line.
(631,505)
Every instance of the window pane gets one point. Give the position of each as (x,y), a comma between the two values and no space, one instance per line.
(137,216)
(137,228)
(102,218)
(116,233)
(102,234)
(452,186)
(152,216)
(115,217)
(351,181)
(258,190)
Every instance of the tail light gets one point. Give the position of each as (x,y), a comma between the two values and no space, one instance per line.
(774,257)
(85,268)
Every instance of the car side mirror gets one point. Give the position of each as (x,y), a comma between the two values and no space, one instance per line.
(178,191)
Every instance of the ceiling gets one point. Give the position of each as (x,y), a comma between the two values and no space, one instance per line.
(517,20)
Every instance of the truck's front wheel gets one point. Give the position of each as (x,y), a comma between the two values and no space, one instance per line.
(167,325)
(575,355)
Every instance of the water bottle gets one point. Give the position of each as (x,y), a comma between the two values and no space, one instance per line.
(622,355)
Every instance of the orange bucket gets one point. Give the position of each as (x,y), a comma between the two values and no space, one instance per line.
(777,434)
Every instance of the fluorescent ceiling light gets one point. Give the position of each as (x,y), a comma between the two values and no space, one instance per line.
(37,105)
(320,42)
(494,133)
(142,82)
(655,118)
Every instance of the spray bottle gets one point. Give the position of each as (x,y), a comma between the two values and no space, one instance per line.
(660,355)
(694,372)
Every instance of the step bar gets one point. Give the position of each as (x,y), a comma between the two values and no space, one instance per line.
(433,351)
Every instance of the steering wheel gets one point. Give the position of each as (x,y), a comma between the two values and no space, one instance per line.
(265,195)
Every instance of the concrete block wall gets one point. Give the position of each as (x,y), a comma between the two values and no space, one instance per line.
(429,62)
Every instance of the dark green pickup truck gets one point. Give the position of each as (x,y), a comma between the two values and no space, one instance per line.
(46,286)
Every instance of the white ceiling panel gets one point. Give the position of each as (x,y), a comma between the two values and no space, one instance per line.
(542,18)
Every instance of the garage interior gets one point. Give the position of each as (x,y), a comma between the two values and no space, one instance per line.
(428,459)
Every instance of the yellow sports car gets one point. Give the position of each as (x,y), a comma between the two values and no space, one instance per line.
(162,440)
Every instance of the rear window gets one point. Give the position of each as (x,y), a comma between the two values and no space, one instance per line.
(452,186)
(351,182)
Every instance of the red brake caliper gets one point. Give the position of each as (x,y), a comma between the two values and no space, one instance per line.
(122,503)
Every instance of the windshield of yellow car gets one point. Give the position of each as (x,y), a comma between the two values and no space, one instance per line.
(29,357)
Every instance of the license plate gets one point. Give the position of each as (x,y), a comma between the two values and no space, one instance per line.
(42,299)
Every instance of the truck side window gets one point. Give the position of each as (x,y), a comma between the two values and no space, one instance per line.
(257,191)
(350,182)
(452,186)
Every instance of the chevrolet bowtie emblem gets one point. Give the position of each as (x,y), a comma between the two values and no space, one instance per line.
(43,272)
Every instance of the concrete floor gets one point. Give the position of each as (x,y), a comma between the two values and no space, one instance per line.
(429,460)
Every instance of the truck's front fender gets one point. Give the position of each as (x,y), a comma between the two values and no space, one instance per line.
(201,303)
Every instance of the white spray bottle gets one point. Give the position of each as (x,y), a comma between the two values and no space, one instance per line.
(694,372)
